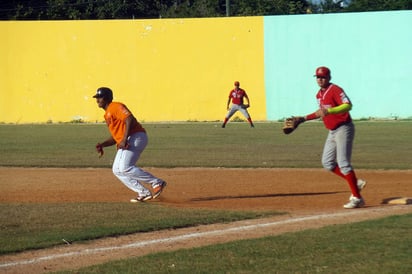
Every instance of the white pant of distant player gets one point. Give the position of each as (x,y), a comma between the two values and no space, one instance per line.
(125,169)
(235,108)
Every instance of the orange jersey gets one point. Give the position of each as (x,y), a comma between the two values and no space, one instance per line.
(115,116)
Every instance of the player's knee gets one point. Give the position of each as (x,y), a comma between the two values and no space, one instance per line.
(328,165)
(117,173)
(345,170)
(122,171)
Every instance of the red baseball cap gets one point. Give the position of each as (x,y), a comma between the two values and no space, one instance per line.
(322,72)
(237,83)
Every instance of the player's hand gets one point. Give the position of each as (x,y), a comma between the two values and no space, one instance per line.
(99,149)
(123,145)
(322,112)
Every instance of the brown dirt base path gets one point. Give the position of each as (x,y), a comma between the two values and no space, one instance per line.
(311,197)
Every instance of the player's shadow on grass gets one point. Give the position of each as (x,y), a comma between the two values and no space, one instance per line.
(214,198)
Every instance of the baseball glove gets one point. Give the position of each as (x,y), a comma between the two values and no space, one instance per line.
(292,123)
(245,106)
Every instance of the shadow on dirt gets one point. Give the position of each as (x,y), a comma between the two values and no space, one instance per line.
(263,196)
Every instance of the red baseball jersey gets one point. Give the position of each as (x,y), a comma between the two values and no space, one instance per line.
(331,97)
(237,96)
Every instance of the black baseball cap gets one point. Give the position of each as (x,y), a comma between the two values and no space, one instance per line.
(103,92)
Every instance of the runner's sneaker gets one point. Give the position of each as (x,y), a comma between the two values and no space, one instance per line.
(157,190)
(361,185)
(143,198)
(354,203)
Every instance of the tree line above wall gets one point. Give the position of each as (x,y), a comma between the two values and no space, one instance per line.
(143,9)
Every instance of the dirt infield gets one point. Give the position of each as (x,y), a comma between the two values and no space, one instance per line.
(312,198)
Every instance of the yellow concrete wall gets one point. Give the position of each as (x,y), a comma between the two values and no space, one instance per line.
(163,70)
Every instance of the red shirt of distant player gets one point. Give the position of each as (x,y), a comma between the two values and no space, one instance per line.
(331,97)
(237,96)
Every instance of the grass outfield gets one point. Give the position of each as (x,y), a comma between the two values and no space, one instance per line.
(378,145)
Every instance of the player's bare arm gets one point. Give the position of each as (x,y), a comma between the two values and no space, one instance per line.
(108,142)
(99,146)
(322,112)
(129,122)
(247,100)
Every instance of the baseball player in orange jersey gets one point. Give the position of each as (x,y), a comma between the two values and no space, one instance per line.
(131,139)
(334,107)
(236,95)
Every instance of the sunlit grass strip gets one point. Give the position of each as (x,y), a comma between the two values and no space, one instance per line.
(378,246)
(33,226)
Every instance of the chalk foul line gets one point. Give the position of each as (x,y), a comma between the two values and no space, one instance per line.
(140,244)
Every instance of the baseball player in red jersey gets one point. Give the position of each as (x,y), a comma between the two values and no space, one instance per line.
(131,139)
(236,95)
(334,107)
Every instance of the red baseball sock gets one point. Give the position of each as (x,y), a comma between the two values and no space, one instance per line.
(337,171)
(353,183)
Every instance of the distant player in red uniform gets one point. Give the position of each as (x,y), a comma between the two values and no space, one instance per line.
(334,107)
(236,95)
(130,138)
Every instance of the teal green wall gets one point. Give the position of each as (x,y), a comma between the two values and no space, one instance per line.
(369,54)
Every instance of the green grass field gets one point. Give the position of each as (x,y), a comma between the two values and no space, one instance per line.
(379,246)
(378,145)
